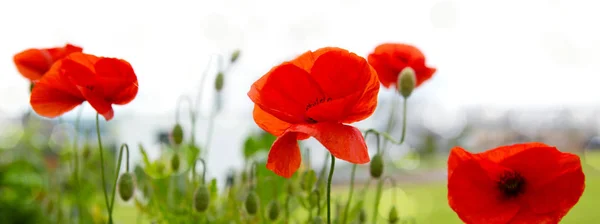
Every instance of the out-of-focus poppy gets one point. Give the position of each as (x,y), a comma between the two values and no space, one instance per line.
(83,77)
(390,59)
(314,95)
(523,183)
(33,63)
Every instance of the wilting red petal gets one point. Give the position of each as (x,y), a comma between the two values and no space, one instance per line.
(473,193)
(117,79)
(284,157)
(287,93)
(268,122)
(343,141)
(54,94)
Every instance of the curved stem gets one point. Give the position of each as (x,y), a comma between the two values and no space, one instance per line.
(203,169)
(102,169)
(376,133)
(347,207)
(329,189)
(114,189)
(76,165)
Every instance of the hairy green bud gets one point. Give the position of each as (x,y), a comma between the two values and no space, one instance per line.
(376,166)
(273,210)
(177,134)
(201,198)
(126,186)
(251,203)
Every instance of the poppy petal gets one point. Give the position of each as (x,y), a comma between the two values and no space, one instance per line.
(54,94)
(287,93)
(387,75)
(307,59)
(101,106)
(268,122)
(526,217)
(499,154)
(118,80)
(284,157)
(457,156)
(343,141)
(555,181)
(33,63)
(473,194)
(347,77)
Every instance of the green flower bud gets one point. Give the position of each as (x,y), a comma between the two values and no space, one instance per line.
(175,162)
(251,203)
(362,216)
(273,210)
(406,82)
(177,134)
(219,81)
(393,215)
(201,198)
(235,55)
(126,186)
(376,166)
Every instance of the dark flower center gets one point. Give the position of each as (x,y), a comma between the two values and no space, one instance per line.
(511,184)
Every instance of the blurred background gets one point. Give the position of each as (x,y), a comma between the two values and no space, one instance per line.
(507,71)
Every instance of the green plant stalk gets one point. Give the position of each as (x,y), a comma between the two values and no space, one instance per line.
(391,118)
(76,166)
(110,221)
(329,189)
(380,181)
(114,189)
(347,208)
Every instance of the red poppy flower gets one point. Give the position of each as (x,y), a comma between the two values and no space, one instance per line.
(83,77)
(390,59)
(523,183)
(34,63)
(314,95)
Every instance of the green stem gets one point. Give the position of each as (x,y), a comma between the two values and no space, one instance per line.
(403,121)
(347,207)
(114,189)
(391,118)
(76,165)
(380,182)
(102,169)
(329,189)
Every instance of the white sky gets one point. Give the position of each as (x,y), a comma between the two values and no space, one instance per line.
(508,53)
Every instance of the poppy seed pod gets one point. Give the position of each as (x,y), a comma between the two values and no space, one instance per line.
(175,162)
(393,215)
(273,210)
(235,55)
(177,134)
(251,203)
(219,81)
(126,186)
(376,166)
(201,198)
(406,82)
